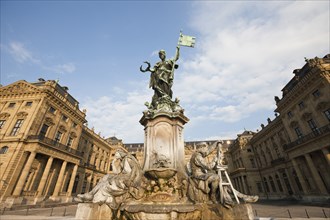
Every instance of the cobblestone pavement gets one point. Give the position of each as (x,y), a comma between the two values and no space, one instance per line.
(263,210)
(291,210)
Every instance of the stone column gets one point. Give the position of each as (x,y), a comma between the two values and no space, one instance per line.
(81,182)
(284,187)
(24,174)
(244,186)
(326,153)
(88,185)
(315,174)
(72,179)
(290,181)
(60,179)
(300,177)
(94,181)
(28,182)
(44,176)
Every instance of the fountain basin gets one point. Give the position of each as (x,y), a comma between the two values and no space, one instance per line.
(160,173)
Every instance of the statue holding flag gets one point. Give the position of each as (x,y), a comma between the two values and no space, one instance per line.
(162,75)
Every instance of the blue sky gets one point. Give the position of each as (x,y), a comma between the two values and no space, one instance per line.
(244,55)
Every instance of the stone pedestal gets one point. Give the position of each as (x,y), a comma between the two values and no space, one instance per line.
(164,142)
(93,211)
(163,211)
(11,201)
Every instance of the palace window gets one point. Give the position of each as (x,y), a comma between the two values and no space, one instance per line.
(52,110)
(28,104)
(290,115)
(64,118)
(70,141)
(327,114)
(313,126)
(2,123)
(4,150)
(43,130)
(266,184)
(259,186)
(279,183)
(295,177)
(287,183)
(272,183)
(58,136)
(17,126)
(316,93)
(298,132)
(11,105)
(301,105)
(252,163)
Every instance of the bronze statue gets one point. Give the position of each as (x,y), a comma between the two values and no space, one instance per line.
(161,77)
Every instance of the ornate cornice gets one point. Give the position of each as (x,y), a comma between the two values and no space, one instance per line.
(19,88)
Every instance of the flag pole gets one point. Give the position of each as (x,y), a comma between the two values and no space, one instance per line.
(176,55)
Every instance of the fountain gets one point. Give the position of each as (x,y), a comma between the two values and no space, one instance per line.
(165,187)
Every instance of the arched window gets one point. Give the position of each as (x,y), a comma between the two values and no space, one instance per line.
(278,183)
(4,150)
(269,154)
(272,183)
(266,185)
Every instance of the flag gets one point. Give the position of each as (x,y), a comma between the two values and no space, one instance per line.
(187,41)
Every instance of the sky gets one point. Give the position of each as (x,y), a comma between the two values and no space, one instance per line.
(244,55)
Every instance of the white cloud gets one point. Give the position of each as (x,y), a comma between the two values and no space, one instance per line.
(247,52)
(117,116)
(22,55)
(61,68)
(67,68)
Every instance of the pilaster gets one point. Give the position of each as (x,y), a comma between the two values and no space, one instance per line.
(317,179)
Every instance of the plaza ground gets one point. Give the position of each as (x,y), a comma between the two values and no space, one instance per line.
(263,210)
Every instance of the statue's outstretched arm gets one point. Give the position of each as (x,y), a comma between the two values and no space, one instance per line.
(177,53)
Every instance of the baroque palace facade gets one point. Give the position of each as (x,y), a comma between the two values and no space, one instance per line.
(290,156)
(47,153)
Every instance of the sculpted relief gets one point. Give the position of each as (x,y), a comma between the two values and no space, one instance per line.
(207,181)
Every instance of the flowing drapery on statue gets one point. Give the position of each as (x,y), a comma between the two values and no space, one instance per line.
(162,75)
(115,188)
(206,182)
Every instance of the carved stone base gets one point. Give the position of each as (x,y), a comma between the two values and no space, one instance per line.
(91,211)
(152,211)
